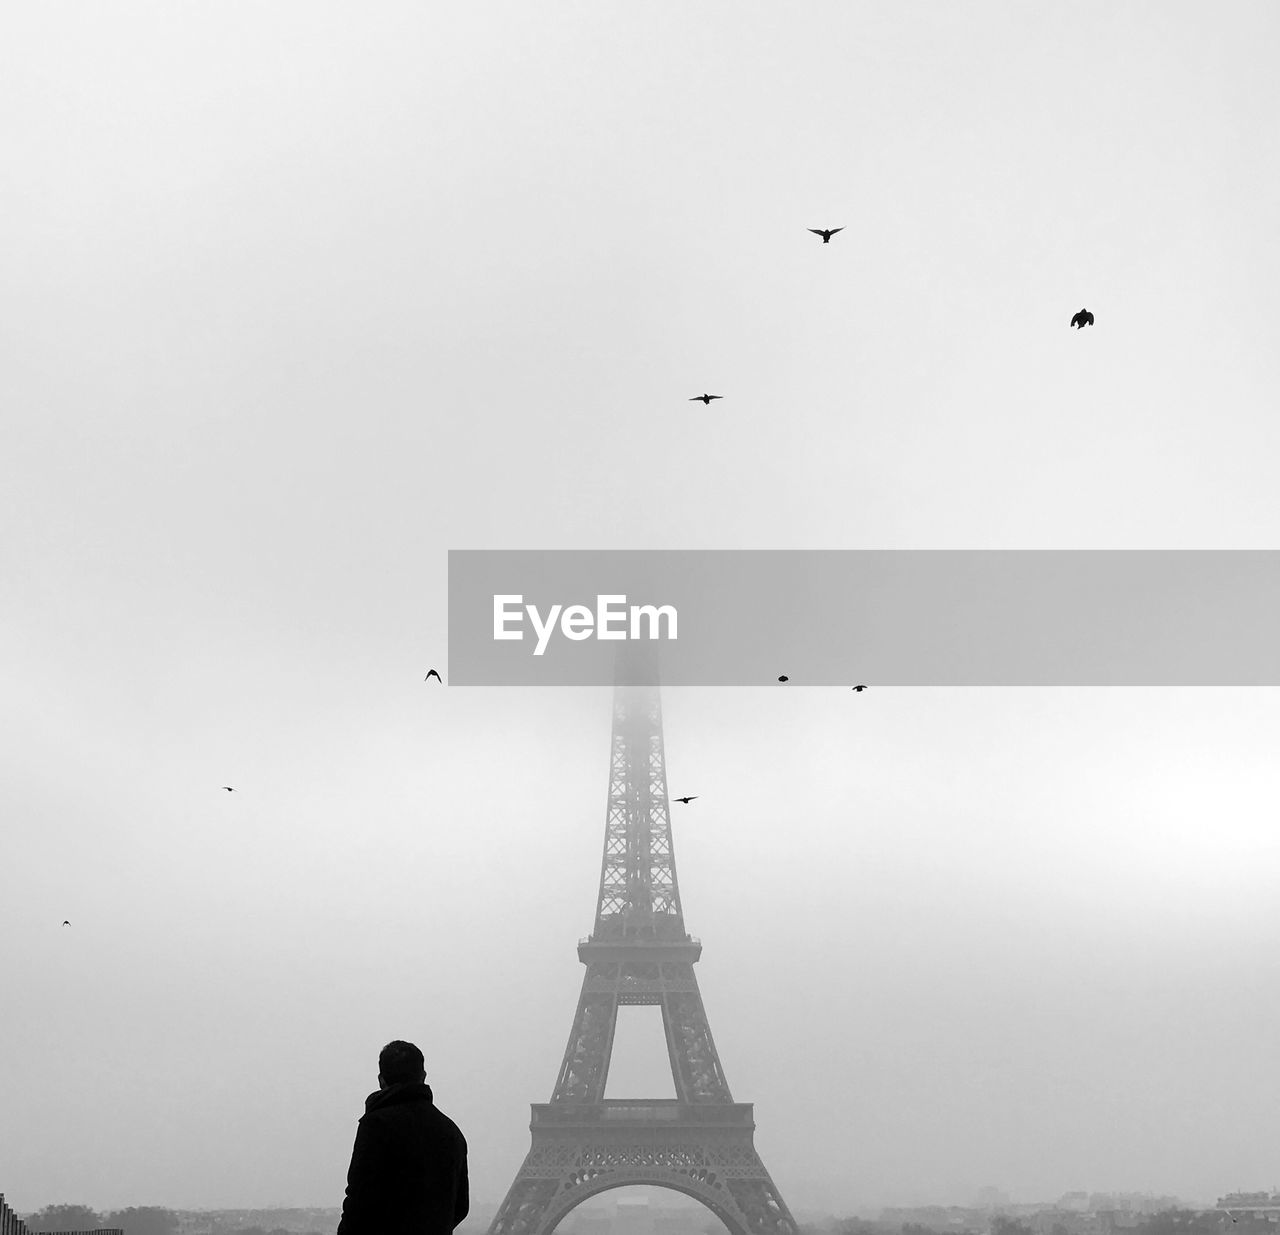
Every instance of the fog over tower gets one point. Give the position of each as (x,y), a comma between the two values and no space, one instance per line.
(701,1142)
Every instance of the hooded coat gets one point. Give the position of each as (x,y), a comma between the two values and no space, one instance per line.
(408,1172)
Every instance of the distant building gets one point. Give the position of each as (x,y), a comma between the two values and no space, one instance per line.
(1134,1203)
(1264,1205)
(1119,1221)
(1060,1219)
(586,1221)
(633,1215)
(944,1218)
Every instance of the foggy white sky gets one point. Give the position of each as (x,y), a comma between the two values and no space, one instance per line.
(298,297)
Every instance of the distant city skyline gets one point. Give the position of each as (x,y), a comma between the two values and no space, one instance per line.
(985,1199)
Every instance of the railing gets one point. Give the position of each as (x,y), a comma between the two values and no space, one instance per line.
(11,1224)
(688,939)
(623,1111)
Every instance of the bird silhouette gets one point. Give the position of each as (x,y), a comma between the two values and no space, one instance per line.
(687,800)
(826,233)
(705,399)
(782,677)
(1082,319)
(433,674)
(859,688)
(228,788)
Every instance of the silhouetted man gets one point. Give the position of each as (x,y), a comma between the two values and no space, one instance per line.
(408,1171)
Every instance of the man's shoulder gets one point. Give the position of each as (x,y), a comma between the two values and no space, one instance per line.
(450,1126)
(441,1124)
(415,1109)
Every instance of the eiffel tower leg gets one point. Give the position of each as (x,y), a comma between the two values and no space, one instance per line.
(761,1206)
(586,1058)
(525,1209)
(694,1061)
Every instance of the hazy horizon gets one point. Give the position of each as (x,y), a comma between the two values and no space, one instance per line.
(664,1198)
(300,297)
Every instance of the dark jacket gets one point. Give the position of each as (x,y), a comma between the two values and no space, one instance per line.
(408,1171)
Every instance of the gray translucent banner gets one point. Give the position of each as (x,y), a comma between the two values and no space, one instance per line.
(879,617)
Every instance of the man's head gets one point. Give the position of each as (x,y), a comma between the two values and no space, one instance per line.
(400,1062)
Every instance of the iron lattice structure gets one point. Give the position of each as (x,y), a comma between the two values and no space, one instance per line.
(699,1143)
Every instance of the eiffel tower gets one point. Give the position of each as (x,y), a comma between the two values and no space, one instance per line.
(700,1142)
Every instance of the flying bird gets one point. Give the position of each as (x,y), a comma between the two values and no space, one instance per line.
(705,399)
(782,677)
(433,674)
(687,800)
(859,688)
(228,788)
(826,233)
(1082,319)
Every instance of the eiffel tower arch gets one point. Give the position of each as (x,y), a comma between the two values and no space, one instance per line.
(701,1142)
